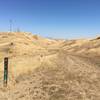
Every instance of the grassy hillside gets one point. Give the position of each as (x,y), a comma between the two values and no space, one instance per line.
(47,69)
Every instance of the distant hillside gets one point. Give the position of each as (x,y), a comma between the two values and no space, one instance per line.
(85,46)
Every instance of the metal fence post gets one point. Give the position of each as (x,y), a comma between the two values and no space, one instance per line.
(5,71)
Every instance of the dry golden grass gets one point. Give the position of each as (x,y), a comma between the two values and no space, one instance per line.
(46,69)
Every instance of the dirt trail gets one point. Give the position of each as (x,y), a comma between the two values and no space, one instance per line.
(68,78)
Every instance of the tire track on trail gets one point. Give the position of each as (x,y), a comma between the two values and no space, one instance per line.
(72,78)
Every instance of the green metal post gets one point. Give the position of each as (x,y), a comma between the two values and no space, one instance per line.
(5,71)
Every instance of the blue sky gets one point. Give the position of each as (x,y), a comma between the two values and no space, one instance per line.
(52,18)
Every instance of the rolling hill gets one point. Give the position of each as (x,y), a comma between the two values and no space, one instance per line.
(50,69)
